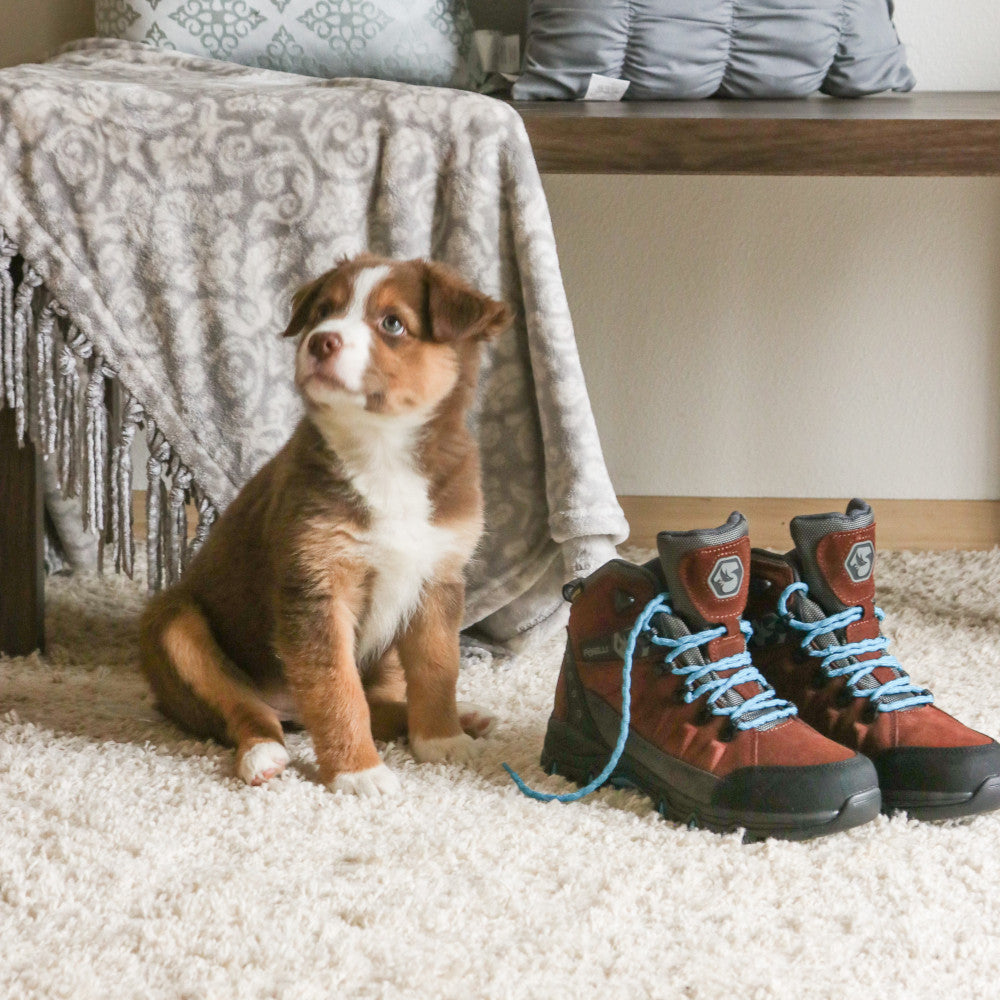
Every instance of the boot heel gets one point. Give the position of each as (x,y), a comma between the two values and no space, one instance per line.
(566,753)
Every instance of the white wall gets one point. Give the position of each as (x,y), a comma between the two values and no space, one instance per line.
(772,336)
(31,29)
(798,336)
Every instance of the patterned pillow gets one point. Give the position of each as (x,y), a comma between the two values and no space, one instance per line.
(671,49)
(413,41)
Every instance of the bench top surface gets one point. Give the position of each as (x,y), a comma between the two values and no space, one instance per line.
(927,133)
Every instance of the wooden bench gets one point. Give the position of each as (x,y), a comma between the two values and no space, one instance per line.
(896,135)
(912,135)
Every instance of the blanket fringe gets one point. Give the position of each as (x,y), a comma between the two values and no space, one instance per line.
(69,403)
(7,253)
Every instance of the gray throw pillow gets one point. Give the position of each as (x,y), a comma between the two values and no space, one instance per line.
(412,41)
(678,49)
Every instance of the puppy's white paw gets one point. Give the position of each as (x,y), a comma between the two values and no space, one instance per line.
(374,783)
(262,762)
(445,749)
(476,720)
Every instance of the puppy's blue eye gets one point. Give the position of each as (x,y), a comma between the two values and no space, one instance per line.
(393,325)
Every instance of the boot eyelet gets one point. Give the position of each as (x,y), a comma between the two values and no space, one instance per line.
(870,713)
(728,733)
(844,697)
(800,655)
(679,695)
(704,716)
(819,680)
(623,600)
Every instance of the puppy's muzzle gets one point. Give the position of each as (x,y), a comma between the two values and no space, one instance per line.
(325,344)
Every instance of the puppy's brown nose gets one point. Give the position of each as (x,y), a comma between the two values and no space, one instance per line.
(322,345)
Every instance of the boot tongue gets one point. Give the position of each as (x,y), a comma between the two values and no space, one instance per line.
(836,553)
(706,573)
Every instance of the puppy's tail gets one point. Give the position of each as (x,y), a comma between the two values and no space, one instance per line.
(191,677)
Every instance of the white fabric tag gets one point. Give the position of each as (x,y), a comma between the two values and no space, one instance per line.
(605,88)
(510,57)
(498,53)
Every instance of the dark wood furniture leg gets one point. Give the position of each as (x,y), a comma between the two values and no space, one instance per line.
(22,575)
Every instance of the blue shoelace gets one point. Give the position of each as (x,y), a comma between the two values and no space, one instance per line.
(900,686)
(770,707)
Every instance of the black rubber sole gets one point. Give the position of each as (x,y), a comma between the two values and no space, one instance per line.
(580,760)
(944,805)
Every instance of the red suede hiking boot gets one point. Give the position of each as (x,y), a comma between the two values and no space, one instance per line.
(657,691)
(817,640)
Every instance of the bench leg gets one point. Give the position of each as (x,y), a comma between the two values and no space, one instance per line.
(22,574)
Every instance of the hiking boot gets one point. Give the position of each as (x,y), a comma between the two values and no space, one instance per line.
(657,692)
(817,640)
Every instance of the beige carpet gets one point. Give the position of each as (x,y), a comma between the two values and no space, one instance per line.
(133,864)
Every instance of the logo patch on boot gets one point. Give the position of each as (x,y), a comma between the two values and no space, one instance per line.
(726,577)
(612,647)
(860,561)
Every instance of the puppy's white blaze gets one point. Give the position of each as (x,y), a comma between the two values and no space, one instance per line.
(352,359)
(263,761)
(374,783)
(354,356)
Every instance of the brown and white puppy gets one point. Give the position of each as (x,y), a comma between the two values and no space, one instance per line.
(331,589)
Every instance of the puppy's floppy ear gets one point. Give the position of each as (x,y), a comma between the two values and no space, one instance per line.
(302,303)
(458,311)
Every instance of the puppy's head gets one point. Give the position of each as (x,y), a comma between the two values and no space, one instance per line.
(390,337)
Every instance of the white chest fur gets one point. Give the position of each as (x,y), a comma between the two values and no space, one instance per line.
(403,546)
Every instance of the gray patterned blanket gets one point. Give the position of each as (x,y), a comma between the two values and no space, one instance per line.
(157,211)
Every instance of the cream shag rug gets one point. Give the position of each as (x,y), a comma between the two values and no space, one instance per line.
(133,863)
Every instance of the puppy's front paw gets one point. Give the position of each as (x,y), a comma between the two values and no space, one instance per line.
(476,721)
(444,749)
(374,783)
(262,762)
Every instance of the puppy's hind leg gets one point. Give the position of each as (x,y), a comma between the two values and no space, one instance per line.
(385,691)
(194,686)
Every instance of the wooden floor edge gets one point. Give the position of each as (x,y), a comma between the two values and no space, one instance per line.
(916,525)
